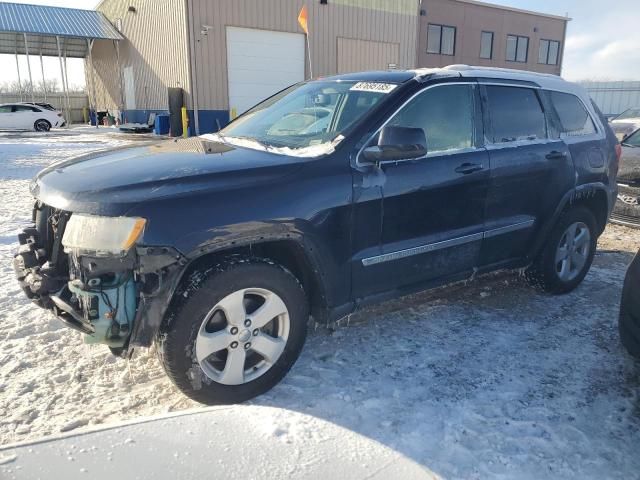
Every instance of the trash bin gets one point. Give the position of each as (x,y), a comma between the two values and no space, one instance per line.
(162,125)
(92,118)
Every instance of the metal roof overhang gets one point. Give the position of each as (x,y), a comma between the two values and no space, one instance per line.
(43,25)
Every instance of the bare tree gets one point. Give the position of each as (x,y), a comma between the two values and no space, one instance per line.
(51,86)
(74,88)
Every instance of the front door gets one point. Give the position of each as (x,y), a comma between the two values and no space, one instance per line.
(6,117)
(531,170)
(433,207)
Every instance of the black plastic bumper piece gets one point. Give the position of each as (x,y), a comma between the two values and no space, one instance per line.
(629,320)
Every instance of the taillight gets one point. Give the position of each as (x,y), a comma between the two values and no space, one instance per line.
(618,160)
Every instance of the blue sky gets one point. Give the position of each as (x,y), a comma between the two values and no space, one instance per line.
(603,39)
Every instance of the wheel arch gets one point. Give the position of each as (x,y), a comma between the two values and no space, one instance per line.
(292,252)
(593,196)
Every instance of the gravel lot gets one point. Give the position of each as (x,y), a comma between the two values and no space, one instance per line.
(490,378)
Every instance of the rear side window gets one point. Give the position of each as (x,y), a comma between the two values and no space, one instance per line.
(444,113)
(5,109)
(574,118)
(24,108)
(516,114)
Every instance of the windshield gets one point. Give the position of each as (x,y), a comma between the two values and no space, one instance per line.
(307,114)
(633,140)
(631,113)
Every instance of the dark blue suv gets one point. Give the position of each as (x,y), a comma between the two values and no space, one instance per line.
(330,195)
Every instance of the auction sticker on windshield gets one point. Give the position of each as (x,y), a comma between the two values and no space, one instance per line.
(373,87)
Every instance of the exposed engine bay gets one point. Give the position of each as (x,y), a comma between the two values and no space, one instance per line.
(98,293)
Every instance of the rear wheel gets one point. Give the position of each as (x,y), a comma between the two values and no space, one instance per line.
(42,125)
(568,254)
(235,334)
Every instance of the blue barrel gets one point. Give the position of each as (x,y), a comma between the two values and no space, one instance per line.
(162,125)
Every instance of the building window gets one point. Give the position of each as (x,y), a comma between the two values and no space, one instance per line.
(549,52)
(441,39)
(486,45)
(517,48)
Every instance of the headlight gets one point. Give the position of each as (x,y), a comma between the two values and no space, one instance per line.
(102,235)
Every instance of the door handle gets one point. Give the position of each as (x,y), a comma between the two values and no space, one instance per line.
(467,168)
(556,155)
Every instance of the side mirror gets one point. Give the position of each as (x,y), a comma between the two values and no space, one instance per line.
(397,143)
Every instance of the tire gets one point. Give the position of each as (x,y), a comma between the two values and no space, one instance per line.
(629,334)
(629,319)
(117,351)
(554,276)
(204,318)
(41,125)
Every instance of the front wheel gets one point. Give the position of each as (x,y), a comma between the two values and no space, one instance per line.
(568,253)
(235,334)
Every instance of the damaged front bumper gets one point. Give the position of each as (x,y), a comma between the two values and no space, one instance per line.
(116,300)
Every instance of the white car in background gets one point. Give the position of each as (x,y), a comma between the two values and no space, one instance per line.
(626,123)
(23,116)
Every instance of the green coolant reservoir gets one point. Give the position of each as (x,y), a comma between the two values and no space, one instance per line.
(110,306)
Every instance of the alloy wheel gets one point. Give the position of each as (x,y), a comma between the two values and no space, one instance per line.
(573,251)
(242,336)
(42,126)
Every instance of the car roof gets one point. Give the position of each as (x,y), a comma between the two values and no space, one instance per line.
(388,76)
(542,80)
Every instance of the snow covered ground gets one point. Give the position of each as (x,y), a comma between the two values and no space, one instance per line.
(489,379)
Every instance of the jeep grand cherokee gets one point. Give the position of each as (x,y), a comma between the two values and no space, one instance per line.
(330,195)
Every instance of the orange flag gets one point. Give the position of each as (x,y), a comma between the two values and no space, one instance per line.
(302,19)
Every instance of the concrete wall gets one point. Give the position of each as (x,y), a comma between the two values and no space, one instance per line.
(78,101)
(389,21)
(470,18)
(155,48)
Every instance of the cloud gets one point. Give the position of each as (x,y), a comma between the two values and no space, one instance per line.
(604,50)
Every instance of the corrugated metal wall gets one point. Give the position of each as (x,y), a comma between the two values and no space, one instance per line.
(389,21)
(614,97)
(155,49)
(356,55)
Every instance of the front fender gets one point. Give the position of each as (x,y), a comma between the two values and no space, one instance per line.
(152,309)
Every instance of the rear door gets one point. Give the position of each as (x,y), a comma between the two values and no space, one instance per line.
(531,169)
(24,117)
(587,145)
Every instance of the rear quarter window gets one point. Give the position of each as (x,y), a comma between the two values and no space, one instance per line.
(574,117)
(515,113)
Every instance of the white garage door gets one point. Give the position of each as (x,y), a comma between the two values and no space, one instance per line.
(261,63)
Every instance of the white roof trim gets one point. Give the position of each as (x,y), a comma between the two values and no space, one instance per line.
(513,9)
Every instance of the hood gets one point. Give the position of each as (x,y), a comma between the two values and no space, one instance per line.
(629,171)
(112,182)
